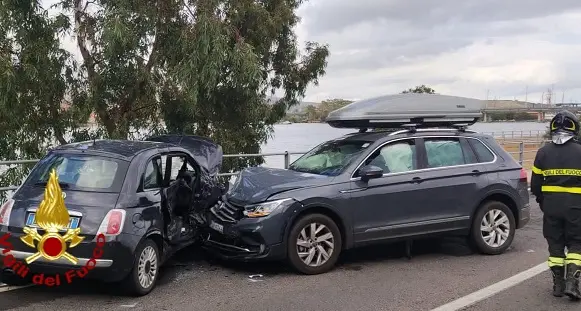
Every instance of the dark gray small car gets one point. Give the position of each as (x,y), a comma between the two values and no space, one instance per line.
(373,187)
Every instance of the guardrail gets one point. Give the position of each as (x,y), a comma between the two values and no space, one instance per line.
(521,153)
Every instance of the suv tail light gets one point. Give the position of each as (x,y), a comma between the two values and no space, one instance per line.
(5,212)
(113,223)
(524,176)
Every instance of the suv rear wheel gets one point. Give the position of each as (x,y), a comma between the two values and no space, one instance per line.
(493,228)
(314,244)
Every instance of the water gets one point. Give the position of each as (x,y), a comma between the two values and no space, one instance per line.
(301,137)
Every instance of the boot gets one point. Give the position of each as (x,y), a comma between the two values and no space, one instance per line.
(558,281)
(572,282)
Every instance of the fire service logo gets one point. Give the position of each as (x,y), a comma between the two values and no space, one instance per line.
(52,217)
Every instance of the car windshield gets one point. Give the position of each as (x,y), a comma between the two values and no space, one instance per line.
(330,158)
(81,172)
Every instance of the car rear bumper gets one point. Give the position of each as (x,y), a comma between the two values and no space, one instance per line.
(111,261)
(524,215)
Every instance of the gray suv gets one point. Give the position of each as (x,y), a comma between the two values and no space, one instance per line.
(373,187)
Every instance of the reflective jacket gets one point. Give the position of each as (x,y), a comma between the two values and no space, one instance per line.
(557,173)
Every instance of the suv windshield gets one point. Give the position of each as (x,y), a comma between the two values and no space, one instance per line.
(81,172)
(330,158)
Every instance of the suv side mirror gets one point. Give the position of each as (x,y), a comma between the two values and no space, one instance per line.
(370,172)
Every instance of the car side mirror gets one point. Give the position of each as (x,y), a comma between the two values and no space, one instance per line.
(370,172)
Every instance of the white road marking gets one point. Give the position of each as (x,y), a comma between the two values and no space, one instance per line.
(493,289)
(7,288)
(129,306)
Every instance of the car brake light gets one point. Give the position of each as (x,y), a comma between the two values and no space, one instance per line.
(113,223)
(5,212)
(524,176)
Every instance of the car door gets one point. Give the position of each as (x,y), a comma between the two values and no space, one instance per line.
(149,195)
(388,206)
(451,182)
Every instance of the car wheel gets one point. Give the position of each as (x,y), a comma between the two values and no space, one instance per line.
(493,228)
(314,244)
(143,277)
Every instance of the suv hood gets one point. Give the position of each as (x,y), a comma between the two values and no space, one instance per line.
(257,184)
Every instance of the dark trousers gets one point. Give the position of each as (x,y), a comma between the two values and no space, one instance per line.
(562,228)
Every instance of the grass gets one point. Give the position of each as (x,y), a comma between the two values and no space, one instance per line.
(530,147)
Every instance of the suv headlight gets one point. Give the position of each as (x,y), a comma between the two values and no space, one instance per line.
(265,208)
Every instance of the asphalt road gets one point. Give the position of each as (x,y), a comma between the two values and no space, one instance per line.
(376,278)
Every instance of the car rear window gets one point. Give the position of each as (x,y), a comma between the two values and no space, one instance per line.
(81,172)
(482,152)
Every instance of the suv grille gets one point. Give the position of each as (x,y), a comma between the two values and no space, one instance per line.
(226,211)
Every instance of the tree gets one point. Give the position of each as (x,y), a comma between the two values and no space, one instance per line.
(420,89)
(200,67)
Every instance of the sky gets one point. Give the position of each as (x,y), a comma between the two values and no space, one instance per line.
(477,48)
(486,49)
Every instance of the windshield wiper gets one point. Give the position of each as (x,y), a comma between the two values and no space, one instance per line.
(63,185)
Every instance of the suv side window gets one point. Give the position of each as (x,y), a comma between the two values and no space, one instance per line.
(395,157)
(152,176)
(482,152)
(442,152)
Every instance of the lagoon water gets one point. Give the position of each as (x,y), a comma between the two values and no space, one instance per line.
(301,137)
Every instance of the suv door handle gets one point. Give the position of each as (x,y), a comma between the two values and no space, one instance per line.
(476,172)
(416,180)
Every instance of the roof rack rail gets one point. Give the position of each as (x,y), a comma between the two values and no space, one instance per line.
(411,128)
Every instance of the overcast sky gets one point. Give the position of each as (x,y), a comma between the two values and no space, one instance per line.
(459,47)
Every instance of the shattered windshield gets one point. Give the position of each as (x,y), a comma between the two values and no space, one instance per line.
(330,158)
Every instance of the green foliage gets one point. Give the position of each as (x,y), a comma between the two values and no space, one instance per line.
(320,112)
(511,116)
(420,89)
(200,67)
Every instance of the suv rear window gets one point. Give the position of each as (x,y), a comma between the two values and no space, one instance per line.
(81,172)
(444,152)
(482,152)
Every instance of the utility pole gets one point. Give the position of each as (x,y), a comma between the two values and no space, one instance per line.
(526,93)
(487,94)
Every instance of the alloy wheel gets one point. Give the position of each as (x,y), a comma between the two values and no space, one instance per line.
(495,228)
(315,244)
(147,267)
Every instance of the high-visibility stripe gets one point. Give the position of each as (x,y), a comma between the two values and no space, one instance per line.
(556,262)
(573,258)
(562,172)
(537,170)
(574,190)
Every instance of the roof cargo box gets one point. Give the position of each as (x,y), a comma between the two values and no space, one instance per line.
(419,110)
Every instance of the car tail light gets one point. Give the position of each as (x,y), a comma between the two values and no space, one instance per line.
(5,212)
(113,223)
(524,176)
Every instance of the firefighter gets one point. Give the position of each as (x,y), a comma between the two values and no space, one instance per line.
(556,184)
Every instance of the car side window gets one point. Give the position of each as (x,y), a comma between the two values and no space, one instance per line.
(482,152)
(153,174)
(395,157)
(442,152)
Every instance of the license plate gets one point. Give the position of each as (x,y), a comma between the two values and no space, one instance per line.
(73,221)
(217,227)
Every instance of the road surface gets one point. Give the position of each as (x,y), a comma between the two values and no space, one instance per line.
(378,278)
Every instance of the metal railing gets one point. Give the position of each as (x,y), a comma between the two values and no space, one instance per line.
(521,153)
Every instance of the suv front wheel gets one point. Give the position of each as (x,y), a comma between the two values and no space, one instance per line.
(314,244)
(493,228)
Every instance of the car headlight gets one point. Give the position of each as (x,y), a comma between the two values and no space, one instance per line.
(265,208)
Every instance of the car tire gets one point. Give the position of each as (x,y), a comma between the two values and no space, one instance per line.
(327,241)
(143,277)
(493,237)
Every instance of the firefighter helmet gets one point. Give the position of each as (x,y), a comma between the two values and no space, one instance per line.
(565,122)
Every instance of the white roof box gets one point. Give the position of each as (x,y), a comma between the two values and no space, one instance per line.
(416,109)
